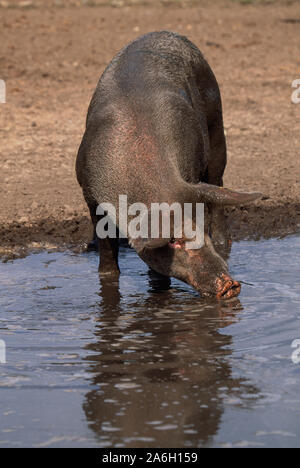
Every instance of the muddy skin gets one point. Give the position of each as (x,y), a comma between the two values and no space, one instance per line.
(155,133)
(227,288)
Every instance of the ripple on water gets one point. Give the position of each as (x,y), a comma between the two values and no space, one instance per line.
(143,363)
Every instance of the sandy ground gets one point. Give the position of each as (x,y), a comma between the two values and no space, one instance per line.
(51,59)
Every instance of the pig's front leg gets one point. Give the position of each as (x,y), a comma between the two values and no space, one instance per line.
(109,252)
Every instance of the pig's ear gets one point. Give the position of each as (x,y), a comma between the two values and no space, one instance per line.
(140,244)
(206,193)
(148,242)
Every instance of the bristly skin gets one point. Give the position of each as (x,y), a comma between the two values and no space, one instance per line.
(155,132)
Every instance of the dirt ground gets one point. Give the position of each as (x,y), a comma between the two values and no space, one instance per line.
(51,58)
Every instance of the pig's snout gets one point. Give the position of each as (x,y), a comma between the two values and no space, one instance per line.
(227,287)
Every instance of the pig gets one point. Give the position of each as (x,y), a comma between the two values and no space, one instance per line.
(154,131)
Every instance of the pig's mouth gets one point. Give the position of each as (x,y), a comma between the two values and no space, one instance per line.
(227,288)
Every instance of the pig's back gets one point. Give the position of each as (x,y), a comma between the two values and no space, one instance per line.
(149,116)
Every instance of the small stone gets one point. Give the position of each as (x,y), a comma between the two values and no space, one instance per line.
(117,3)
(26,4)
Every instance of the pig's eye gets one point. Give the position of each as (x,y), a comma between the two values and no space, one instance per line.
(176,244)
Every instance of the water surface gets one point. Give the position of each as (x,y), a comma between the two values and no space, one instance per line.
(146,363)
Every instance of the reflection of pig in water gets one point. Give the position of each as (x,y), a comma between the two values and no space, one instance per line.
(155,133)
(159,370)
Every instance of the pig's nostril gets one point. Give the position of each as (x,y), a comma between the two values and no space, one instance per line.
(227,288)
(233,290)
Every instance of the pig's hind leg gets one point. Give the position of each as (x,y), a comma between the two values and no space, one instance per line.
(217,160)
(93,245)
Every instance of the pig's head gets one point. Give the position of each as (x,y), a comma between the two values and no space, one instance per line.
(203,268)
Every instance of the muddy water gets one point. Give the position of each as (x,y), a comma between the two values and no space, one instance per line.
(146,363)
